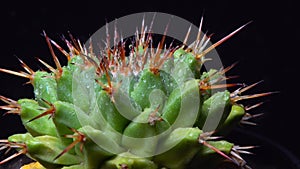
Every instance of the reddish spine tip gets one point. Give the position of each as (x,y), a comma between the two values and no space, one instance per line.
(51,111)
(79,138)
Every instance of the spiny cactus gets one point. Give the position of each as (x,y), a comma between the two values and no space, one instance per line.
(130,107)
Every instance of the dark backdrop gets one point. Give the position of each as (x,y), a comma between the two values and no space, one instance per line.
(266,49)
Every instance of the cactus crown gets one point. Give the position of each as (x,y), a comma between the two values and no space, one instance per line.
(137,106)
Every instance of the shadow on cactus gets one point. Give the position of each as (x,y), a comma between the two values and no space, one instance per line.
(144,105)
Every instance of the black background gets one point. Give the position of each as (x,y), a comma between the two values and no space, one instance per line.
(266,49)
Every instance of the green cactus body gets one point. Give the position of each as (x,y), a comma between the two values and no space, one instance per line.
(110,113)
(147,83)
(93,154)
(185,96)
(214,107)
(186,144)
(210,158)
(29,110)
(147,110)
(44,149)
(45,87)
(64,85)
(236,114)
(127,160)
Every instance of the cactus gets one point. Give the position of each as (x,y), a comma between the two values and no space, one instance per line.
(129,109)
